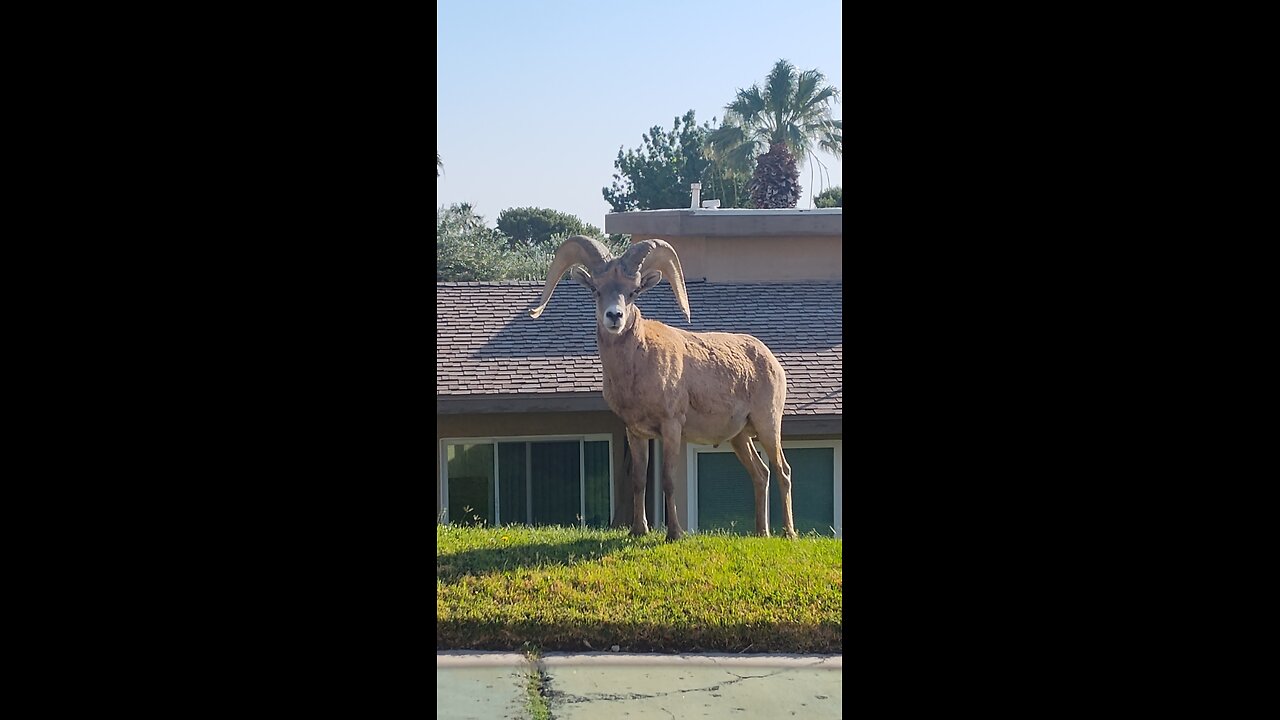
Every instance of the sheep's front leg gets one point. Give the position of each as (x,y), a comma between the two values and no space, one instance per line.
(672,446)
(639,478)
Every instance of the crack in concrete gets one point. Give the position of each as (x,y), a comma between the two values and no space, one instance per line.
(539,693)
(570,699)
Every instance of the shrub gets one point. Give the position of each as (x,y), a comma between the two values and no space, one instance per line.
(831,197)
(468,250)
(537,227)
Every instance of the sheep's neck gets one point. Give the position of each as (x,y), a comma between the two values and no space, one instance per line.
(617,359)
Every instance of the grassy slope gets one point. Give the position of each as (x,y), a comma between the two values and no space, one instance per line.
(571,589)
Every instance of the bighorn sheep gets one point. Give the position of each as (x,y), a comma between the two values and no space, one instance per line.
(702,387)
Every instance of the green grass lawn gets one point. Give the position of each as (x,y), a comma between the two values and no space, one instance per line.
(571,589)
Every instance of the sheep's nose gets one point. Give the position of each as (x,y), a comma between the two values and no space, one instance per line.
(613,315)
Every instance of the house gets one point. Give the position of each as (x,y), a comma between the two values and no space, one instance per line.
(523,432)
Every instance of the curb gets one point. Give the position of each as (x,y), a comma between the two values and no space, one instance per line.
(494,658)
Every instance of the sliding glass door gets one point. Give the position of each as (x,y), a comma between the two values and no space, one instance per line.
(537,481)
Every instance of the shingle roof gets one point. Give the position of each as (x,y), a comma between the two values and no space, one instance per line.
(487,343)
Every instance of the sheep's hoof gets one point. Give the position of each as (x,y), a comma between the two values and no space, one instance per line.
(673,535)
(639,532)
(791,534)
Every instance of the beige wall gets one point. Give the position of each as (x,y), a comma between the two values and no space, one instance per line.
(757,259)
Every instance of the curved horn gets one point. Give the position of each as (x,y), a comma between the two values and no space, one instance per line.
(658,255)
(577,250)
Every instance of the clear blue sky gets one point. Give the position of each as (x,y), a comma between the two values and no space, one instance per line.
(534,97)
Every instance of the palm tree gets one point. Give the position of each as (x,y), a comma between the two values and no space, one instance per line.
(789,118)
(733,164)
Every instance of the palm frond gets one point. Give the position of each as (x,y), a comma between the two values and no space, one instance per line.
(832,138)
(731,149)
(806,87)
(820,103)
(747,104)
(779,86)
(821,107)
(740,159)
(797,141)
(724,138)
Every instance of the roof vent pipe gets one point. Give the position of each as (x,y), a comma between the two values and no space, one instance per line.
(696,189)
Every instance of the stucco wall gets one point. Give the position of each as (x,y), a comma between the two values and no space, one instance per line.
(784,258)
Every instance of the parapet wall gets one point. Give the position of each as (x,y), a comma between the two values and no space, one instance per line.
(744,245)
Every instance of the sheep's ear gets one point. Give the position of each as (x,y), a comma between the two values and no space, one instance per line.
(649,280)
(580,275)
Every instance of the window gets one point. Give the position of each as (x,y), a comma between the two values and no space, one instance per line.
(534,480)
(722,496)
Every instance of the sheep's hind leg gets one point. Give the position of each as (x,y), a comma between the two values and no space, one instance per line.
(639,477)
(773,447)
(759,473)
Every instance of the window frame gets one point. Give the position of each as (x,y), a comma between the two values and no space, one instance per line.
(691,474)
(659,517)
(582,439)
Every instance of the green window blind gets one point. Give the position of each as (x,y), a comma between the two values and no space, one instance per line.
(514,493)
(556,469)
(726,494)
(813,502)
(596,456)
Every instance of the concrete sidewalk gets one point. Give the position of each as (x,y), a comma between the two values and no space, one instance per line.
(598,685)
(474,685)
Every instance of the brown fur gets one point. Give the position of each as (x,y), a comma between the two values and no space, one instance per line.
(682,386)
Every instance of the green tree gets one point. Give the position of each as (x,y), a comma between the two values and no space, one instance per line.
(787,120)
(829,198)
(533,227)
(657,175)
(467,250)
